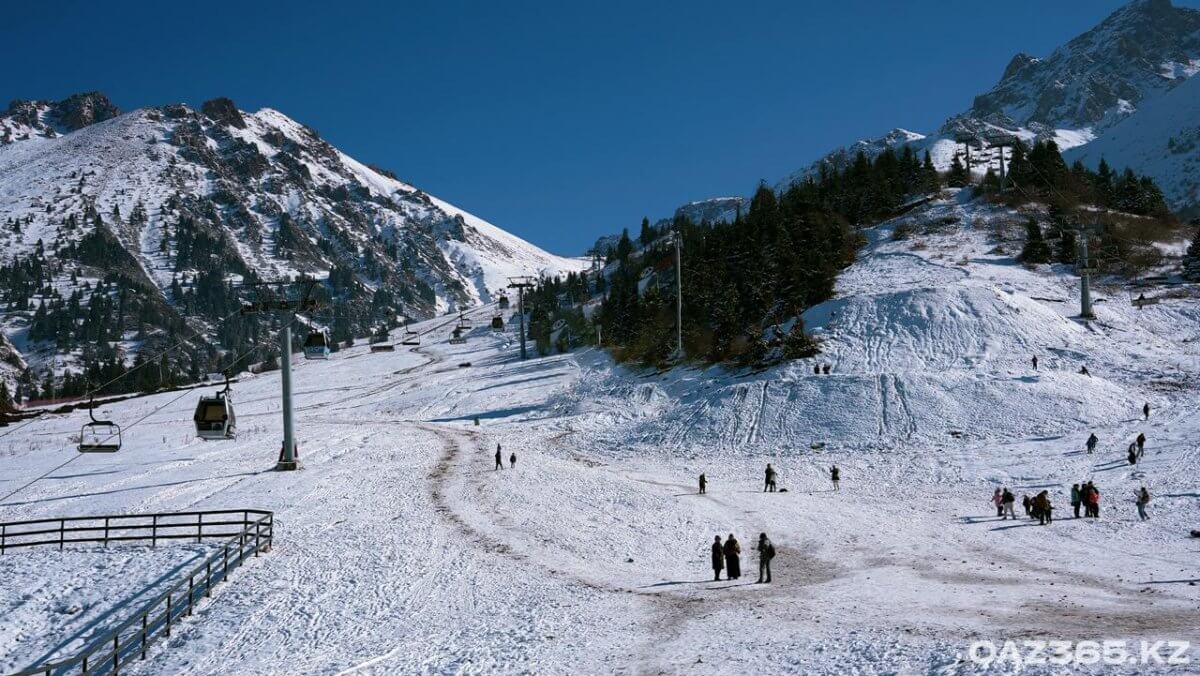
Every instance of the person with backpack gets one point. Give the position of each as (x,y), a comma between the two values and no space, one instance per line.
(1141,499)
(835,474)
(1008,499)
(718,558)
(1076,499)
(703,484)
(766,552)
(733,558)
(1043,508)
(1091,443)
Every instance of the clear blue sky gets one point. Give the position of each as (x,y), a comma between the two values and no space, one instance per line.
(558,121)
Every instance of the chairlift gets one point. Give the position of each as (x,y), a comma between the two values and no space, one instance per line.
(99,436)
(497,323)
(463,322)
(456,336)
(316,345)
(1142,301)
(215,418)
(410,337)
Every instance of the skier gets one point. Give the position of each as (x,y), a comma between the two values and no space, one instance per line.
(1141,499)
(1008,500)
(718,558)
(499,461)
(766,552)
(998,501)
(1035,362)
(1141,444)
(1027,503)
(835,473)
(1091,442)
(1146,410)
(1076,499)
(733,561)
(512,461)
(703,485)
(769,483)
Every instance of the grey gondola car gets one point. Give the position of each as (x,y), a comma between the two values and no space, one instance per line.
(215,418)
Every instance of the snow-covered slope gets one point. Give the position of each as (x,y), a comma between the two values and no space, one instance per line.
(251,193)
(591,555)
(1162,139)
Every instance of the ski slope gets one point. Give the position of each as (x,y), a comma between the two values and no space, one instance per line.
(400,549)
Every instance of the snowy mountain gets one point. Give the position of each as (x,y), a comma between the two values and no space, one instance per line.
(185,192)
(1133,61)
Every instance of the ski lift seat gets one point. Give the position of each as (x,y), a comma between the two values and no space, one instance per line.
(99,436)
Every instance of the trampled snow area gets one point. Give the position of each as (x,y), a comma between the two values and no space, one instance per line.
(400,549)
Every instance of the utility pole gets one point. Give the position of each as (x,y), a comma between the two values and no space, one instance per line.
(520,284)
(678,296)
(1085,269)
(288,309)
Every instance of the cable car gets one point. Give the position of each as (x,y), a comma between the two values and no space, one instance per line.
(99,436)
(316,345)
(215,419)
(382,342)
(497,323)
(503,302)
(456,336)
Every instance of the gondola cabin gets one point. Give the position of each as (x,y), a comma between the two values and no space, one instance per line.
(497,323)
(215,419)
(316,345)
(503,303)
(99,436)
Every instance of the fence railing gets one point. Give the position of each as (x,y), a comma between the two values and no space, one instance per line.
(253,534)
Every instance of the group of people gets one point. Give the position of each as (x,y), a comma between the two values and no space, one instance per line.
(818,369)
(1039,507)
(1137,449)
(770,477)
(727,556)
(1087,496)
(512,459)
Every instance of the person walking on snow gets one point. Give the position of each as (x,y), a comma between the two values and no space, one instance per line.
(1008,499)
(1043,508)
(1076,499)
(512,460)
(1035,362)
(1094,500)
(1091,442)
(1027,504)
(703,486)
(1141,499)
(835,474)
(766,552)
(1133,456)
(998,501)
(769,483)
(718,558)
(499,461)
(1146,410)
(733,558)
(1141,444)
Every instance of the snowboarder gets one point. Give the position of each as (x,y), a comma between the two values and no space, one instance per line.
(769,482)
(1035,362)
(703,485)
(718,558)
(499,459)
(512,461)
(1027,503)
(1141,499)
(1091,442)
(1009,499)
(733,561)
(998,501)
(766,552)
(1141,444)
(1076,499)
(835,473)
(1146,410)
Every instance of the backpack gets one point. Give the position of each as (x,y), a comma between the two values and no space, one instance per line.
(770,551)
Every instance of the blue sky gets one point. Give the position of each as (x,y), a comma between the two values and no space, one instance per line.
(557,121)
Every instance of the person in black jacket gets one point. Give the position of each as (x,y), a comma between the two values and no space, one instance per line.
(733,558)
(718,558)
(499,460)
(703,484)
(766,552)
(835,474)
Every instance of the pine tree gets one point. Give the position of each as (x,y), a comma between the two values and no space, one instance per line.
(1191,261)
(1036,250)
(647,235)
(958,176)
(7,405)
